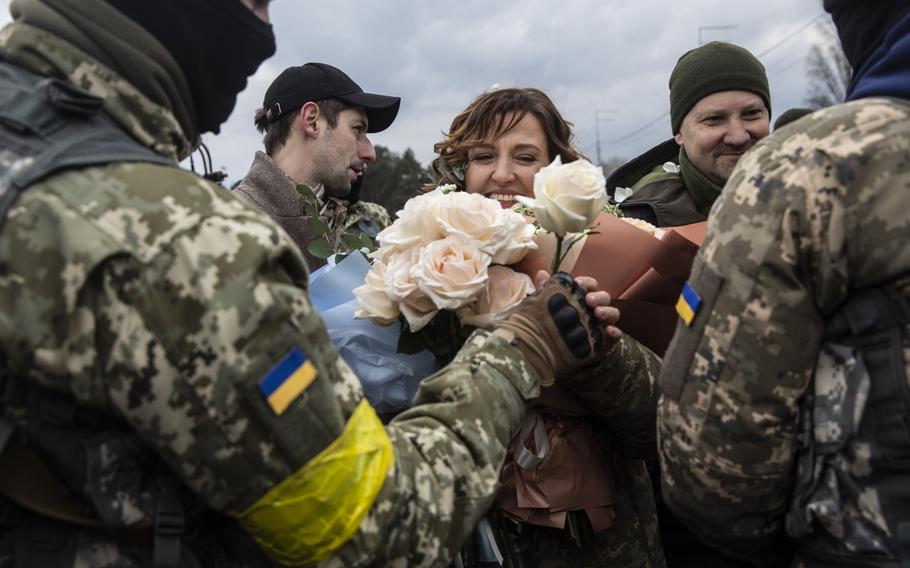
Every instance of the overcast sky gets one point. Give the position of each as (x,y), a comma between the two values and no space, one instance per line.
(606,58)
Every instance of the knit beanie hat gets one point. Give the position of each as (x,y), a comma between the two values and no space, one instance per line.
(714,67)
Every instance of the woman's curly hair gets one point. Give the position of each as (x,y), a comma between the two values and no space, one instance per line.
(485,120)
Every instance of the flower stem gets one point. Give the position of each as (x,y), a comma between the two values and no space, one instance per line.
(557,258)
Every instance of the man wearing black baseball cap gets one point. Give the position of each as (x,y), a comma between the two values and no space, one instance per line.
(316,119)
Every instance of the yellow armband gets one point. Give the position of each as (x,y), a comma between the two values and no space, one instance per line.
(314,512)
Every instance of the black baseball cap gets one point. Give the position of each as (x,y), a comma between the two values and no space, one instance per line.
(316,81)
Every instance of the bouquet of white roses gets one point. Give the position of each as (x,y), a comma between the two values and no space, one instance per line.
(443,262)
(445,255)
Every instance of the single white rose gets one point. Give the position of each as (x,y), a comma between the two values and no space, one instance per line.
(416,225)
(567,197)
(372,301)
(505,289)
(473,217)
(501,233)
(451,272)
(518,241)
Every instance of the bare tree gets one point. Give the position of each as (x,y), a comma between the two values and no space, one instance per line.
(827,68)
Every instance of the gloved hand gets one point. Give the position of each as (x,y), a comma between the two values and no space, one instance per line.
(554,329)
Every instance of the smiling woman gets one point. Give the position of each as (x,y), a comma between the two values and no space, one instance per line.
(497,144)
(582,500)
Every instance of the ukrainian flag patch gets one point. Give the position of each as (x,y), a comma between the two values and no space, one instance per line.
(688,304)
(287,380)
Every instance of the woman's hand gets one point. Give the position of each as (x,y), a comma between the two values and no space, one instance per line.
(597,300)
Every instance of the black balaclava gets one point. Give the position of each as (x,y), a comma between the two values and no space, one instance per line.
(218,44)
(862,25)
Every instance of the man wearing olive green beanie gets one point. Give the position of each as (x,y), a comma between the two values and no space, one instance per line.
(720,106)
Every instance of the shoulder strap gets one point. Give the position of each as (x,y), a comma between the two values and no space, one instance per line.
(48,125)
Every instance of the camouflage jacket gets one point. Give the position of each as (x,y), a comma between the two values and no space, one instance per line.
(621,391)
(809,215)
(269,189)
(158,299)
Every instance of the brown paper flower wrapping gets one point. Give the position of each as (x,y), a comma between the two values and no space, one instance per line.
(555,464)
(644,274)
(569,472)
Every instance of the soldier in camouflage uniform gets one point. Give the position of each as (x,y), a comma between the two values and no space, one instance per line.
(315,120)
(156,333)
(783,417)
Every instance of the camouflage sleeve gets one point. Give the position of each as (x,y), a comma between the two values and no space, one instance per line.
(190,333)
(733,374)
(449,447)
(623,390)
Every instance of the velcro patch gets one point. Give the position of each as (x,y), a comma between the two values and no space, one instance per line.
(287,380)
(688,304)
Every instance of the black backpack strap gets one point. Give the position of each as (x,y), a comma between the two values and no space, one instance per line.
(48,125)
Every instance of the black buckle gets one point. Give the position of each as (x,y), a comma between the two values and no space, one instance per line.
(170,525)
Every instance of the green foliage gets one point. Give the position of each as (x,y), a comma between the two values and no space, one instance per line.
(339,241)
(393,179)
(613,209)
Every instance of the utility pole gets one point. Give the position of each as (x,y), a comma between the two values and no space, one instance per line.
(713,28)
(597,119)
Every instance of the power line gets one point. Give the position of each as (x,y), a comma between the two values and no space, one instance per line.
(639,130)
(781,42)
(790,36)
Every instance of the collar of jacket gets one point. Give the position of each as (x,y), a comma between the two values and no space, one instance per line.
(276,193)
(272,189)
(153,125)
(704,191)
(886,73)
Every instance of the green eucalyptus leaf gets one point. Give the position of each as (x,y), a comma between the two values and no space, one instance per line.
(320,249)
(319,226)
(308,193)
(366,243)
(310,209)
(350,240)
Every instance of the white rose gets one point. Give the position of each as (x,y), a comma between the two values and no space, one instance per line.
(372,301)
(451,272)
(473,217)
(415,225)
(501,233)
(398,281)
(518,241)
(505,289)
(567,197)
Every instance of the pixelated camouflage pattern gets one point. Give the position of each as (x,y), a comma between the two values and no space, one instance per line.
(160,299)
(832,413)
(816,210)
(367,218)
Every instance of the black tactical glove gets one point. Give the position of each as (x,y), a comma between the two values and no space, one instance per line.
(554,329)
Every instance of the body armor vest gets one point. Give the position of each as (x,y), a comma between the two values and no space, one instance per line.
(50,469)
(851,502)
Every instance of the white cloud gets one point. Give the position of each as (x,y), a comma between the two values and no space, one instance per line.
(586,54)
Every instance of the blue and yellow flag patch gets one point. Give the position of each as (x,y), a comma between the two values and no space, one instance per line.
(287,380)
(688,304)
